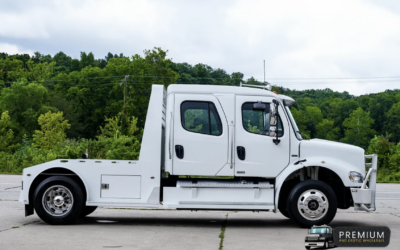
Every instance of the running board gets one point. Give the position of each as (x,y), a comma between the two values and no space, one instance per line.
(223,184)
(225,203)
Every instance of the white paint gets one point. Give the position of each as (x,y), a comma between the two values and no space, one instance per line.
(137,183)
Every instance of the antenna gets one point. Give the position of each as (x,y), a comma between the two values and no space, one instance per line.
(264,70)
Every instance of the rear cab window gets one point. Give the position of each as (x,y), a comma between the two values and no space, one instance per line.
(201,117)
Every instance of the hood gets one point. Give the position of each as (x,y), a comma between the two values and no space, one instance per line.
(330,152)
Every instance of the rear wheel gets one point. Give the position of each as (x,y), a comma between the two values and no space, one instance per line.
(312,203)
(58,200)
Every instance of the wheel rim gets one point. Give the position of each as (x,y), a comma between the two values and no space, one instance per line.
(57,201)
(313,204)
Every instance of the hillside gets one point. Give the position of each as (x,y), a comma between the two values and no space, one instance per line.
(56,107)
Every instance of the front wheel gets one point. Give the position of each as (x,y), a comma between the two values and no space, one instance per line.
(87,210)
(312,203)
(58,200)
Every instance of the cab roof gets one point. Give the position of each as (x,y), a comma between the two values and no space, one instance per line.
(217,89)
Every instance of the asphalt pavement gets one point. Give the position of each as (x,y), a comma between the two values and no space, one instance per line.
(109,228)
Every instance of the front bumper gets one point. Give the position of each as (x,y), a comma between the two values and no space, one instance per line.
(364,197)
(314,244)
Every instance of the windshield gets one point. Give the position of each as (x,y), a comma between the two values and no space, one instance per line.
(321,230)
(296,129)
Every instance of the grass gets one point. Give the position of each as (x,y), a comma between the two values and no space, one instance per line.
(222,234)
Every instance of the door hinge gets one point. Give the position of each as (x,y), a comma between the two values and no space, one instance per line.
(105,186)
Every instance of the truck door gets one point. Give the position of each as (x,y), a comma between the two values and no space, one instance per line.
(256,153)
(200,139)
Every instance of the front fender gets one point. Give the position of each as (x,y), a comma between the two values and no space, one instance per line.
(340,167)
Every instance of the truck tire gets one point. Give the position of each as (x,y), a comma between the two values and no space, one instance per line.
(312,203)
(58,200)
(87,210)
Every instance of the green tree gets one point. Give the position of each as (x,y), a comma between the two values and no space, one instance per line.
(25,102)
(301,122)
(392,124)
(358,129)
(52,131)
(395,164)
(381,146)
(313,115)
(6,134)
(120,125)
(326,130)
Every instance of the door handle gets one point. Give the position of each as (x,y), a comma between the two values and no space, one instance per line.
(241,152)
(179,151)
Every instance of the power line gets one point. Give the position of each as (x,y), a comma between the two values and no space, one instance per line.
(197,80)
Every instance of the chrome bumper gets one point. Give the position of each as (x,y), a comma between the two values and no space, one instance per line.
(314,244)
(364,197)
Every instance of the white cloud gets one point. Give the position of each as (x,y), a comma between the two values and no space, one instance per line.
(301,39)
(13,49)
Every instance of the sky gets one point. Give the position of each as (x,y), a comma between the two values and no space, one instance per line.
(348,45)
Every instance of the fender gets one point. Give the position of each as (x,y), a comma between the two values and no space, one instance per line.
(341,168)
(36,171)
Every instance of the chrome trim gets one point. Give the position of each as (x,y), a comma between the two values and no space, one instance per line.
(367,193)
(313,204)
(57,200)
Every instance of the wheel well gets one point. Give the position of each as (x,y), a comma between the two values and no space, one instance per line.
(55,172)
(323,174)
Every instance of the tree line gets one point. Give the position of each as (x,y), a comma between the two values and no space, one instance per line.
(56,107)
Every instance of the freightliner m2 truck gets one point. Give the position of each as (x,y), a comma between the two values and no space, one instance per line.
(212,148)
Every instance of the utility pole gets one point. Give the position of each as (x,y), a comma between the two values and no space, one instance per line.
(125,91)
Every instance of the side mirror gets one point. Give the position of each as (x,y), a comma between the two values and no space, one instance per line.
(272,131)
(272,114)
(273,120)
(259,106)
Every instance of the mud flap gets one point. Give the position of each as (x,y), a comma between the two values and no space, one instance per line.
(28,210)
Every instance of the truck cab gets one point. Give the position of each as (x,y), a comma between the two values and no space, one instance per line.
(319,236)
(212,147)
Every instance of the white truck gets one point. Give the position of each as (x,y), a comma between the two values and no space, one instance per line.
(212,148)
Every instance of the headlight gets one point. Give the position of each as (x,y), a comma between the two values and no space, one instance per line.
(356,177)
(321,238)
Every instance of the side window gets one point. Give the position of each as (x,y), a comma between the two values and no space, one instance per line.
(257,121)
(201,117)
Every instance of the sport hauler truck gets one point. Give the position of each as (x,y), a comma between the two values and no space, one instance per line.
(212,148)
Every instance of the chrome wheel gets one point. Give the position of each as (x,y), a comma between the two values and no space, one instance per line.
(313,204)
(57,200)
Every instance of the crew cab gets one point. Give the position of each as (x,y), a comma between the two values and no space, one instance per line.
(210,147)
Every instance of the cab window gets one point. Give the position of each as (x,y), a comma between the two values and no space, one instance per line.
(201,117)
(257,121)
